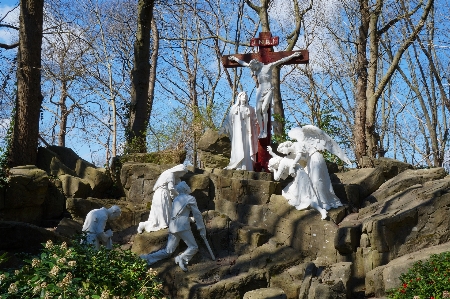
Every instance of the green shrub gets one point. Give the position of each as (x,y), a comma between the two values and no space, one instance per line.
(425,279)
(81,272)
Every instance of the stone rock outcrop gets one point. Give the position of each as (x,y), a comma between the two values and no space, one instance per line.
(73,186)
(384,218)
(24,195)
(266,293)
(55,201)
(138,180)
(262,243)
(367,179)
(214,150)
(65,164)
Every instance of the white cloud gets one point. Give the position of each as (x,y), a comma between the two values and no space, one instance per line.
(10,13)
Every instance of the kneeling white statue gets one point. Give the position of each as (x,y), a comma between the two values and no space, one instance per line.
(180,229)
(311,141)
(94,226)
(300,192)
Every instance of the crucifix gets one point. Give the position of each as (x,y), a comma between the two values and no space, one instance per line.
(261,65)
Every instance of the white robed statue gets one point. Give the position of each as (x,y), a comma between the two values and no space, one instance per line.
(240,126)
(310,142)
(299,193)
(165,192)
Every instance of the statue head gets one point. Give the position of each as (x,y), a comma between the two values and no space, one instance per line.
(114,212)
(255,65)
(179,170)
(182,188)
(242,98)
(274,163)
(285,147)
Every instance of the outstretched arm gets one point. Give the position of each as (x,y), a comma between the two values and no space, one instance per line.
(285,59)
(241,62)
(269,150)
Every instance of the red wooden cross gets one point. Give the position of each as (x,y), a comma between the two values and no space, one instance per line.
(266,55)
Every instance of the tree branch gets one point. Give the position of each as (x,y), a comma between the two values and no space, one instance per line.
(8,47)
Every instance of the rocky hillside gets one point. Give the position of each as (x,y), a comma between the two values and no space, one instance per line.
(393,216)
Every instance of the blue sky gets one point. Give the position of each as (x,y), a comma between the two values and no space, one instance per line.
(6,34)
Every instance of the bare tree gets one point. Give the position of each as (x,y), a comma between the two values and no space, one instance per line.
(140,108)
(369,88)
(23,150)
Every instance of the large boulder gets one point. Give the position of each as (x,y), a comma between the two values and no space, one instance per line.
(331,282)
(27,187)
(55,200)
(73,186)
(403,181)
(214,149)
(51,162)
(368,179)
(62,162)
(391,167)
(24,195)
(290,280)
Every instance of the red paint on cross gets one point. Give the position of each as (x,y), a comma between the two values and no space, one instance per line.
(266,55)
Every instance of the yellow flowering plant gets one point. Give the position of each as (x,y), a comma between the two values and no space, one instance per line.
(79,271)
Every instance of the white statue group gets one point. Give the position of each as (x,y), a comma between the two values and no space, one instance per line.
(311,185)
(243,121)
(172,205)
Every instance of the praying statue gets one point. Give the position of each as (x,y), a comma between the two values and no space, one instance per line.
(94,226)
(161,207)
(240,126)
(180,229)
(262,74)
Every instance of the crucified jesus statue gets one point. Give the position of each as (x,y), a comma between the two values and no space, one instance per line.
(262,73)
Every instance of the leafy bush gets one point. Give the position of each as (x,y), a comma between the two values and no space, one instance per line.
(81,272)
(425,279)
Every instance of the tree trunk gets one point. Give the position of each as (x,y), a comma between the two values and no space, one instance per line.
(154,62)
(64,115)
(278,109)
(372,138)
(369,89)
(139,108)
(23,150)
(361,84)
